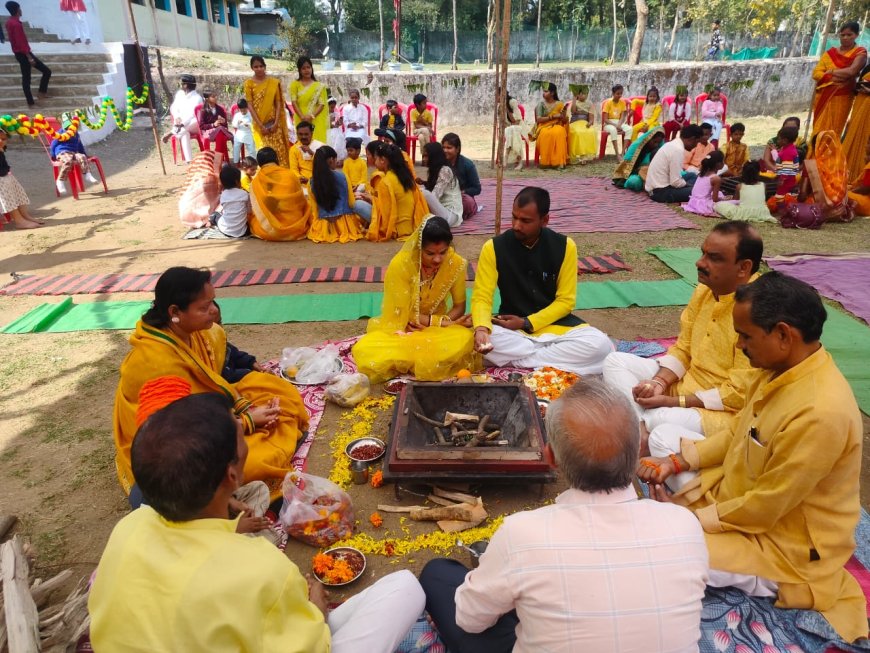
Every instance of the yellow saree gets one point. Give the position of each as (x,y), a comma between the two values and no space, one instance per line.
(307,99)
(858,130)
(278,205)
(396,212)
(552,141)
(650,117)
(267,101)
(833,98)
(156,353)
(433,353)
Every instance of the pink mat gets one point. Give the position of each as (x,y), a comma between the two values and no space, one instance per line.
(578,205)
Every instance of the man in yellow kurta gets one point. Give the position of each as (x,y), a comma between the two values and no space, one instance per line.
(278,205)
(302,153)
(699,384)
(778,495)
(535,270)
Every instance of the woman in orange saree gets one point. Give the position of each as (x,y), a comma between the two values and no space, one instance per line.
(858,130)
(268,112)
(178,336)
(835,76)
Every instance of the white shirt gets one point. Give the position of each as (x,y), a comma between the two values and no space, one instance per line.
(235,206)
(593,572)
(184,105)
(666,167)
(672,110)
(242,123)
(357,114)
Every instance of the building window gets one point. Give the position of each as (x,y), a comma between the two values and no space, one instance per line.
(141,3)
(182,7)
(217,12)
(162,4)
(233,14)
(201,11)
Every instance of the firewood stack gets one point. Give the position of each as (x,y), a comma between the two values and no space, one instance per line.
(457,511)
(30,621)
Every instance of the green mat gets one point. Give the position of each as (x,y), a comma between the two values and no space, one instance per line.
(846,338)
(277,309)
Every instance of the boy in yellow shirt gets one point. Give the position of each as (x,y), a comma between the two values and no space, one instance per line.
(355,168)
(615,116)
(422,121)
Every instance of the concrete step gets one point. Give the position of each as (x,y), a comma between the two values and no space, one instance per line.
(50,106)
(66,61)
(34,34)
(58,69)
(74,79)
(57,90)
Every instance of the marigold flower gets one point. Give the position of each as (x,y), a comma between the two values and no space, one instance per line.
(376,520)
(377,479)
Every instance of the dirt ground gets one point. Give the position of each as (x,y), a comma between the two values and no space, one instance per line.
(57,389)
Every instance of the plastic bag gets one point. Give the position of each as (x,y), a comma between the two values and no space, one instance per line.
(311,366)
(315,511)
(348,390)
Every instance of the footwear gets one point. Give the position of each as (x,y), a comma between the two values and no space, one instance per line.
(61,186)
(87,41)
(91,179)
(479,208)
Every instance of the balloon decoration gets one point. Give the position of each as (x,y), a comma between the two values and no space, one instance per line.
(26,126)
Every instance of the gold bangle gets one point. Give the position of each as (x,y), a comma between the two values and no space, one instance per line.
(682,401)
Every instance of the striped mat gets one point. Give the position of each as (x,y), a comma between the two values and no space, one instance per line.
(89,284)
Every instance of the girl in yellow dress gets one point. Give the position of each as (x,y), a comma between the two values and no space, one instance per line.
(417,332)
(552,136)
(332,200)
(398,206)
(583,139)
(308,97)
(266,103)
(651,115)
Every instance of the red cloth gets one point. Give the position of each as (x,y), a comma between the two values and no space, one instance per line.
(159,393)
(17,39)
(72,5)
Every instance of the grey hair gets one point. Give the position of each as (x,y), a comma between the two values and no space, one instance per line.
(594,434)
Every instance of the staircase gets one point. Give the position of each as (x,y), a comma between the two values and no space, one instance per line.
(75,77)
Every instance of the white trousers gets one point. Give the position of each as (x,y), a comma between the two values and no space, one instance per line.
(752,585)
(379,617)
(581,350)
(624,371)
(190,126)
(612,127)
(437,208)
(247,140)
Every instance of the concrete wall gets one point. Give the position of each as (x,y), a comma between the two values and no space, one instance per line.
(766,87)
(46,15)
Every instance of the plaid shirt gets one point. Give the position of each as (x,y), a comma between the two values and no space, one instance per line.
(716,40)
(593,572)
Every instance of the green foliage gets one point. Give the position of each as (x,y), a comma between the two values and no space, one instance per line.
(744,83)
(305,14)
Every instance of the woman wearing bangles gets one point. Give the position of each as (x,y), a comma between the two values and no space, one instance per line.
(420,331)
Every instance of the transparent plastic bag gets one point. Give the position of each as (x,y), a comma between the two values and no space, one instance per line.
(348,390)
(315,511)
(311,366)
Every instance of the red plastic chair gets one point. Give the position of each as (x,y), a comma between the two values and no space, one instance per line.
(402,109)
(174,140)
(95,160)
(368,119)
(525,135)
(699,100)
(602,144)
(409,128)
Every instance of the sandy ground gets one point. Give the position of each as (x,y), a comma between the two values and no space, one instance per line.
(57,389)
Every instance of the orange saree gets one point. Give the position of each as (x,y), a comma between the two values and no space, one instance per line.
(833,98)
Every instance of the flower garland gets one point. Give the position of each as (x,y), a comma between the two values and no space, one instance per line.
(354,424)
(108,104)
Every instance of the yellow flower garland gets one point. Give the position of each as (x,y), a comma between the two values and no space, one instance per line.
(352,425)
(437,541)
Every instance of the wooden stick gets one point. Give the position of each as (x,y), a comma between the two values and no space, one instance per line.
(440,501)
(439,436)
(383,507)
(456,496)
(493,435)
(501,94)
(423,418)
(22,618)
(41,592)
(479,434)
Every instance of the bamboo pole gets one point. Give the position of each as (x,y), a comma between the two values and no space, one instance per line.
(823,41)
(144,79)
(497,72)
(501,94)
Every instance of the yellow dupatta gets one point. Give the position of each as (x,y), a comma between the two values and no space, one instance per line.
(307,99)
(156,352)
(278,205)
(264,97)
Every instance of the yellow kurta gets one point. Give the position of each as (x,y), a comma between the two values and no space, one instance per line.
(157,353)
(432,354)
(583,139)
(175,586)
(651,117)
(486,281)
(356,171)
(307,99)
(785,507)
(707,359)
(302,166)
(280,210)
(396,212)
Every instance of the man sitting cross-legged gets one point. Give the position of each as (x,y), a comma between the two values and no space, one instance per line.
(597,571)
(699,385)
(175,575)
(302,152)
(777,494)
(535,270)
(665,181)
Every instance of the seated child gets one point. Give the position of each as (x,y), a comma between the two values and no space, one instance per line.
(249,171)
(736,155)
(749,201)
(335,134)
(692,162)
(422,120)
(679,113)
(785,162)
(237,363)
(335,219)
(243,135)
(705,192)
(582,138)
(13,199)
(69,153)
(712,112)
(231,218)
(615,113)
(355,168)
(801,145)
(392,119)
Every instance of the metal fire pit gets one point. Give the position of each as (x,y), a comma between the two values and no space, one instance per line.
(412,452)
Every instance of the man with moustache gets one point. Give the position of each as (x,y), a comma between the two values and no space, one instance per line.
(535,270)
(778,494)
(699,384)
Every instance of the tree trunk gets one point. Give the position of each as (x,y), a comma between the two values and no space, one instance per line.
(639,32)
(381,19)
(490,32)
(538,37)
(826,28)
(455,39)
(613,47)
(670,47)
(796,40)
(661,44)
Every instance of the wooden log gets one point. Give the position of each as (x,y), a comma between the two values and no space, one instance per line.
(383,507)
(459,511)
(6,524)
(439,436)
(42,591)
(428,420)
(440,501)
(451,418)
(22,618)
(453,494)
(480,434)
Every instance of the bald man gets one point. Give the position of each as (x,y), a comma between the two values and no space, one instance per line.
(599,568)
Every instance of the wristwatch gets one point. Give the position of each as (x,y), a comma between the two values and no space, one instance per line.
(527,325)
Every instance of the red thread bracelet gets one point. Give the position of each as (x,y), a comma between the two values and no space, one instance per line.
(677,467)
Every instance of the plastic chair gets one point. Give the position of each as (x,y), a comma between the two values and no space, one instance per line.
(525,135)
(699,100)
(602,145)
(409,128)
(174,140)
(667,101)
(382,109)
(76,173)
(368,119)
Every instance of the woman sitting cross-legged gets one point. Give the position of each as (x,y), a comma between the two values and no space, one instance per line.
(398,206)
(551,133)
(631,171)
(441,188)
(417,333)
(332,201)
(179,336)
